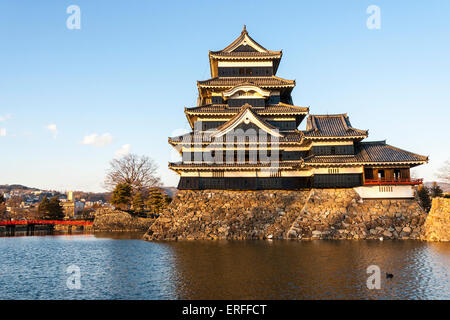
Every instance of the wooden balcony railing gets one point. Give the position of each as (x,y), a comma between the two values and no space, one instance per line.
(384,181)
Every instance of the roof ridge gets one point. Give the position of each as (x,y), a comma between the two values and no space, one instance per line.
(328,115)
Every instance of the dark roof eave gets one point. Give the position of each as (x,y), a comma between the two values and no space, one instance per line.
(335,137)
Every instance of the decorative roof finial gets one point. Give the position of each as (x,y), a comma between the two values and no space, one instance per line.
(244,30)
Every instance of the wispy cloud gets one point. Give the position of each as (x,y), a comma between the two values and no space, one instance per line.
(123,151)
(5,117)
(98,140)
(52,128)
(2,132)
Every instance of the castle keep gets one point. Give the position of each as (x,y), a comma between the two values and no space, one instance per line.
(245,136)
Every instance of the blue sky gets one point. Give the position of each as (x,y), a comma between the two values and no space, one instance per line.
(127,74)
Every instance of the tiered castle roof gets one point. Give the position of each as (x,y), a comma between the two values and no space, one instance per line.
(321,130)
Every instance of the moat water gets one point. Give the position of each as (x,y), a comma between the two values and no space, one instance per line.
(124,267)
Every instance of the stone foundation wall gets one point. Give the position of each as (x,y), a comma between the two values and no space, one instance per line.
(437,225)
(116,220)
(342,214)
(276,214)
(220,214)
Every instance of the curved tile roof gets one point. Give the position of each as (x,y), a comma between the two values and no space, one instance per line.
(371,152)
(247,55)
(380,151)
(233,165)
(281,108)
(205,137)
(263,82)
(337,125)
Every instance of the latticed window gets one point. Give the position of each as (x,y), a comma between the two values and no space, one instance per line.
(218,174)
(275,174)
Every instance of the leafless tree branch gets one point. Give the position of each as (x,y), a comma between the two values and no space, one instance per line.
(137,171)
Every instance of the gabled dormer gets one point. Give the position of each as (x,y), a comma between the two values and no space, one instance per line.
(244,57)
(243,120)
(244,43)
(245,93)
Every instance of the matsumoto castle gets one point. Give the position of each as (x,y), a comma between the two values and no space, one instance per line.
(245,136)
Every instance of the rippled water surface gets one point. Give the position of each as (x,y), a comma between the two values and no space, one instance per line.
(124,267)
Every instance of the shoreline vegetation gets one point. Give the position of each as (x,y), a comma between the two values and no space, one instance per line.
(141,205)
(187,219)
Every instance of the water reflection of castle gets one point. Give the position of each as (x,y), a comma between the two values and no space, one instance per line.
(245,94)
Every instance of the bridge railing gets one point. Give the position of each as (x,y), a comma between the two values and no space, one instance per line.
(53,222)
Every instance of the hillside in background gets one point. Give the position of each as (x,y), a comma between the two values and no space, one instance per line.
(444,186)
(9,187)
(88,196)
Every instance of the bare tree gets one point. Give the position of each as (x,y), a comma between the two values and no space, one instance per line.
(137,171)
(444,172)
(2,206)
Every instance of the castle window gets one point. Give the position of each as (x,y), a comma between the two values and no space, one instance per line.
(275,174)
(251,101)
(284,125)
(217,100)
(245,71)
(386,189)
(273,100)
(333,150)
(218,174)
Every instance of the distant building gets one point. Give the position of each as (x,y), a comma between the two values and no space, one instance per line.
(72,208)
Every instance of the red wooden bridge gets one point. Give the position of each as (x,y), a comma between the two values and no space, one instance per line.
(49,222)
(31,225)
